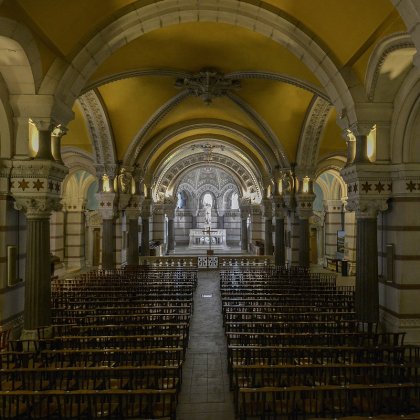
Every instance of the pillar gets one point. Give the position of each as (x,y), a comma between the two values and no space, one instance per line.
(133,241)
(194,220)
(279,249)
(171,234)
(304,257)
(44,139)
(279,254)
(268,226)
(108,233)
(220,220)
(145,216)
(244,234)
(35,185)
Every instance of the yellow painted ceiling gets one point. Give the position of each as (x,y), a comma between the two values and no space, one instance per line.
(283,108)
(194,108)
(342,25)
(331,140)
(194,46)
(131,102)
(77,135)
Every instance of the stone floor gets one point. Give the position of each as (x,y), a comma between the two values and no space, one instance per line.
(205,384)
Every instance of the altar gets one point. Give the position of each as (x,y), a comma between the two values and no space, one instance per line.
(200,239)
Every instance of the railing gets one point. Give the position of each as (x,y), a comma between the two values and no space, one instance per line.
(224,261)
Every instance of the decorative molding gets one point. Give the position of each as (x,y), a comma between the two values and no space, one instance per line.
(387,45)
(99,128)
(310,138)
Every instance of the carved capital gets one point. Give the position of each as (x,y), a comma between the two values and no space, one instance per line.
(107,208)
(361,128)
(304,202)
(146,209)
(43,124)
(268,208)
(37,208)
(367,208)
(278,207)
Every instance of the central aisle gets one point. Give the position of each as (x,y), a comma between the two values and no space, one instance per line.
(205,383)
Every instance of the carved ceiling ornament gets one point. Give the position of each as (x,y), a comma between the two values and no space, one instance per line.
(207,84)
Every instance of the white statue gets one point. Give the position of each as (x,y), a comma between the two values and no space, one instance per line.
(207,218)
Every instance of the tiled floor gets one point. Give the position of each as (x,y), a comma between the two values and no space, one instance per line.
(205,385)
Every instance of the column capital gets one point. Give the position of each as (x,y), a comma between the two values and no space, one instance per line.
(267,205)
(134,206)
(367,208)
(146,209)
(304,205)
(107,208)
(36,186)
(278,207)
(37,208)
(361,128)
(43,124)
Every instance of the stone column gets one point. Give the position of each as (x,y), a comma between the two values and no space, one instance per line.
(244,228)
(35,186)
(194,220)
(170,213)
(220,219)
(132,212)
(109,212)
(145,216)
(367,288)
(268,226)
(279,251)
(304,211)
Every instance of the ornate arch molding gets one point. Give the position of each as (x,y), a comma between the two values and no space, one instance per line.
(406,107)
(75,159)
(20,37)
(197,124)
(175,74)
(388,45)
(170,177)
(155,144)
(310,137)
(99,128)
(143,19)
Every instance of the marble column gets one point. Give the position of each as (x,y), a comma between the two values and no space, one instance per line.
(279,254)
(171,234)
(244,234)
(108,248)
(194,221)
(133,241)
(304,257)
(31,187)
(145,219)
(220,221)
(44,139)
(268,226)
(38,278)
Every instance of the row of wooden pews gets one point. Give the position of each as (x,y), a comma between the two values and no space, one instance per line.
(296,350)
(116,350)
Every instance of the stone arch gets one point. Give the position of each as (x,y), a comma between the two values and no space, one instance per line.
(167,182)
(19,49)
(229,127)
(406,110)
(6,123)
(310,138)
(99,128)
(142,19)
(374,83)
(75,188)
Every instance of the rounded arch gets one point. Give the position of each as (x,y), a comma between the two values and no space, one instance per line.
(6,123)
(262,159)
(75,188)
(19,52)
(141,19)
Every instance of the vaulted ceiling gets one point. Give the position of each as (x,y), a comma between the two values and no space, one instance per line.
(267,114)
